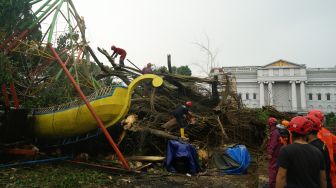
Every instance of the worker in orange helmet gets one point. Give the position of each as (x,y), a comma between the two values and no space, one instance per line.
(330,140)
(300,164)
(285,123)
(285,135)
(273,149)
(319,144)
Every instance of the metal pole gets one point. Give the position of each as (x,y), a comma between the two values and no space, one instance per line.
(93,113)
(134,64)
(15,99)
(5,96)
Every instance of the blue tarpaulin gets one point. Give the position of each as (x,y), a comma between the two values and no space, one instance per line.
(241,156)
(176,151)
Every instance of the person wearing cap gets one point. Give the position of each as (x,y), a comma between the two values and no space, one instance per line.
(273,148)
(147,84)
(301,164)
(121,52)
(319,144)
(285,135)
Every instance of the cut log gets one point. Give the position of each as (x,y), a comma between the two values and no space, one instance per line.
(156,132)
(170,124)
(146,158)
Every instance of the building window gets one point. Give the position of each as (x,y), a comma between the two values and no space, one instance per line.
(247,96)
(310,96)
(276,72)
(254,96)
(240,96)
(319,97)
(328,96)
(296,72)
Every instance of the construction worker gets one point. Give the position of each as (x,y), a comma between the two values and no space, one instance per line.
(285,135)
(121,52)
(147,84)
(300,164)
(319,144)
(330,140)
(181,115)
(273,148)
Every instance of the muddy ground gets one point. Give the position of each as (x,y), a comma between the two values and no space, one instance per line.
(64,174)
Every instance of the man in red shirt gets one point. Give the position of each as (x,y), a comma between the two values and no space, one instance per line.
(121,52)
(273,149)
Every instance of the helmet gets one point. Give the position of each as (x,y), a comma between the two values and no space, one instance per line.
(113,47)
(285,123)
(315,121)
(300,125)
(188,103)
(318,114)
(272,121)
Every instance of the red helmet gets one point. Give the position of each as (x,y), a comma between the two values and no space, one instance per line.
(300,125)
(318,114)
(272,121)
(113,47)
(316,122)
(188,103)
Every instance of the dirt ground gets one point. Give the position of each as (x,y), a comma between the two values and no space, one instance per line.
(64,174)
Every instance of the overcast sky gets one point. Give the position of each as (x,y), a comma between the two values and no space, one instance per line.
(242,32)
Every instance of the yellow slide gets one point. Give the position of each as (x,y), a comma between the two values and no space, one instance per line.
(77,120)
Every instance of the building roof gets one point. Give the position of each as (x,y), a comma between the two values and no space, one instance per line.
(282,63)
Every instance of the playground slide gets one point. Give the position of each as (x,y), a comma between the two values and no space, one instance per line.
(63,122)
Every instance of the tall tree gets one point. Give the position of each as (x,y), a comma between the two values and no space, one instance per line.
(14,13)
(210,56)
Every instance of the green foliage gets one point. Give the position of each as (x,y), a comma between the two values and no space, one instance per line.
(184,70)
(262,116)
(66,40)
(5,75)
(161,70)
(16,14)
(42,89)
(55,175)
(331,120)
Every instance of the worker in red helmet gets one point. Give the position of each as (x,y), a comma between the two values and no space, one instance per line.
(182,116)
(330,140)
(300,164)
(147,84)
(273,148)
(121,52)
(319,144)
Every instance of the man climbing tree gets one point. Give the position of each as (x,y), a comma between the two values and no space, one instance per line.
(121,52)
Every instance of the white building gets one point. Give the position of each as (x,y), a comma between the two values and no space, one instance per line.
(287,86)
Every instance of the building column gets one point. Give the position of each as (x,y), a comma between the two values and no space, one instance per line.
(270,93)
(303,95)
(294,102)
(261,94)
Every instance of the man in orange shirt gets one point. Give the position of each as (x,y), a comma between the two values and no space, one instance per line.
(330,140)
